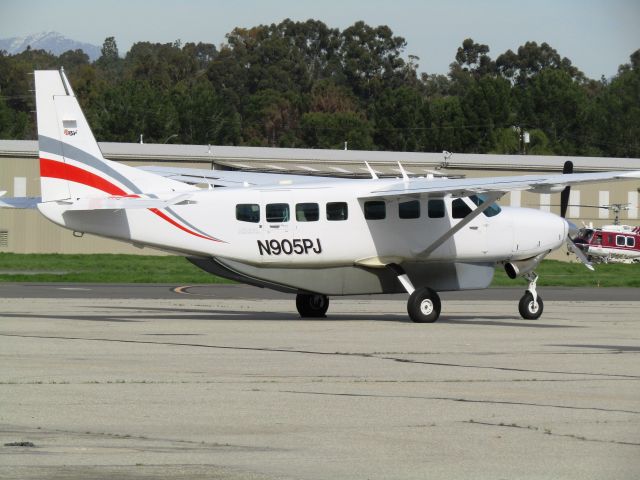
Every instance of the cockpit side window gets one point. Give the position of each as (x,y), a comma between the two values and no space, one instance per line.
(459,209)
(491,211)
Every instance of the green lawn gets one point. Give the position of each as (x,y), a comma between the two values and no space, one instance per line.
(168,269)
(100,268)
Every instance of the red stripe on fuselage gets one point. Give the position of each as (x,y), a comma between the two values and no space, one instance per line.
(176,224)
(64,171)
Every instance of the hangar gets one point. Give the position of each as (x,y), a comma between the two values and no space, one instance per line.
(26,231)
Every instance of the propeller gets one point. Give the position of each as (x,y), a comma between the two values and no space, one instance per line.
(567,169)
(565,194)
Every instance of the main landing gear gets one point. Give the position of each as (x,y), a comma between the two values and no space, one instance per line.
(424,304)
(312,305)
(531,305)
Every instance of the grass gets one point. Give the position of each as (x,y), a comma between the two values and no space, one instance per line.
(105,268)
(564,274)
(101,268)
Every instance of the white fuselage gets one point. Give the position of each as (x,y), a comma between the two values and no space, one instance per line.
(281,241)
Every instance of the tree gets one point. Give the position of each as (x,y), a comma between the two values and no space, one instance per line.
(472,57)
(109,60)
(616,113)
(532,59)
(398,119)
(371,59)
(331,130)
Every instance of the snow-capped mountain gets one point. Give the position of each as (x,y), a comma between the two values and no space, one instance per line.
(53,42)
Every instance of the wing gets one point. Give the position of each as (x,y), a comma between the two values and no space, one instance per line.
(469,186)
(231,178)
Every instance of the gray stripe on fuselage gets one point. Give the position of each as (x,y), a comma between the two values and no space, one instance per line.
(183,220)
(201,232)
(51,145)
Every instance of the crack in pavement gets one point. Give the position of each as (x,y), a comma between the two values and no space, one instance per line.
(461,400)
(314,352)
(549,432)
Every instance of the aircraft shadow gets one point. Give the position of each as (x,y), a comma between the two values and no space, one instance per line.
(160,313)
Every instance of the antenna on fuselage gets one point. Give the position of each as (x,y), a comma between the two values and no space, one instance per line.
(405,177)
(371,171)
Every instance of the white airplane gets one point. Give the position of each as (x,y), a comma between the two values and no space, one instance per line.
(310,236)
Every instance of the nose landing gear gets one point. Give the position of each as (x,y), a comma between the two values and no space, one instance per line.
(531,305)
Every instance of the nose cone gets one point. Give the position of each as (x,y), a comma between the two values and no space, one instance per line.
(537,232)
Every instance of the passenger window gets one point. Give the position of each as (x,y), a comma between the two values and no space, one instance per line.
(277,212)
(459,208)
(631,242)
(248,212)
(375,210)
(620,241)
(307,212)
(410,209)
(435,208)
(337,211)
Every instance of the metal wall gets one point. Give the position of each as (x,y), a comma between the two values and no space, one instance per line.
(28,232)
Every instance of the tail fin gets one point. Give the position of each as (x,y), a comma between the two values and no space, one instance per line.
(71,163)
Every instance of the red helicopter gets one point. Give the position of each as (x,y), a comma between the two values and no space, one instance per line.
(610,243)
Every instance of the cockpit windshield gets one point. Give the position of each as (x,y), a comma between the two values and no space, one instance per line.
(491,211)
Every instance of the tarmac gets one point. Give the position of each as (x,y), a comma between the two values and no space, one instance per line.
(212,382)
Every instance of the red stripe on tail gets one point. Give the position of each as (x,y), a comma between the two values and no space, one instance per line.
(64,171)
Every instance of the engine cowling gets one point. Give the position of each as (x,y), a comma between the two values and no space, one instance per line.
(519,268)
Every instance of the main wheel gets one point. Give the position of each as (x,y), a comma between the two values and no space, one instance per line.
(312,305)
(528,310)
(424,305)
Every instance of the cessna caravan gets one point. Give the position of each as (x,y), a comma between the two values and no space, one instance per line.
(311,236)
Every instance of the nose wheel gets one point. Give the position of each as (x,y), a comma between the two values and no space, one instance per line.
(531,304)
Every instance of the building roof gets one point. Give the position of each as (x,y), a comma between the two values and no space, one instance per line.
(330,162)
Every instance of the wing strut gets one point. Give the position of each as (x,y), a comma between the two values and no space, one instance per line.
(489,200)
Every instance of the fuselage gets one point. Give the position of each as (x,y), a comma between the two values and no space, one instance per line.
(324,225)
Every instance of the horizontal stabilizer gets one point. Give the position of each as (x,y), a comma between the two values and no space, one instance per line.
(123,203)
(19,202)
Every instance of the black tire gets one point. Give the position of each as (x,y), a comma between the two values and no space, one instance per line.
(312,305)
(527,309)
(424,306)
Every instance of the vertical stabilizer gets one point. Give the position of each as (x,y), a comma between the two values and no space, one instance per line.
(71,163)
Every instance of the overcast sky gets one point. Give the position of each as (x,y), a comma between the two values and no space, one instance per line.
(596,35)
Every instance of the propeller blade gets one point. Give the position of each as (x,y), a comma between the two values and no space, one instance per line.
(572,247)
(567,168)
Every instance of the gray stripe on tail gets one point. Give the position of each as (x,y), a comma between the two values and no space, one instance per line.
(51,145)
